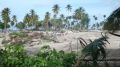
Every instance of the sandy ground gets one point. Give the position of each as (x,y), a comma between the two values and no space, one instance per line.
(69,39)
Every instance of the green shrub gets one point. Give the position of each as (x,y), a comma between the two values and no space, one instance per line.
(15,56)
(12,56)
(55,58)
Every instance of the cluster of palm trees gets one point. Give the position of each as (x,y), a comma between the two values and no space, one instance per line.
(98,25)
(79,20)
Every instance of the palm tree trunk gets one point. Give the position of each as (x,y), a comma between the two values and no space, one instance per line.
(114,34)
(5,27)
(46,26)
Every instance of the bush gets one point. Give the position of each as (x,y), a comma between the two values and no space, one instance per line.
(15,56)
(12,56)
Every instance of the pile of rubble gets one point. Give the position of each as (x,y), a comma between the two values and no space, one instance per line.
(30,38)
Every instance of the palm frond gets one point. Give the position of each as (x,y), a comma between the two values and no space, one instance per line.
(95,49)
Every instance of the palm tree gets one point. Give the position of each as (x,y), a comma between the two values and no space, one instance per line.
(38,25)
(20,25)
(62,17)
(93,27)
(66,22)
(36,22)
(85,21)
(97,25)
(80,16)
(104,16)
(77,16)
(78,13)
(95,18)
(34,19)
(26,20)
(55,10)
(5,17)
(32,16)
(14,20)
(103,22)
(47,19)
(69,8)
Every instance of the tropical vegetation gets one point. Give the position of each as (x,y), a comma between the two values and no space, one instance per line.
(79,20)
(14,55)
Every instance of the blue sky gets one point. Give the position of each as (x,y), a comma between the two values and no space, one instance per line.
(92,7)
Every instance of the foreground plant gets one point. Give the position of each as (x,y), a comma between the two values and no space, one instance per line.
(95,50)
(16,56)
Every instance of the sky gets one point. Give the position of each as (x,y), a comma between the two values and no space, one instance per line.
(92,7)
